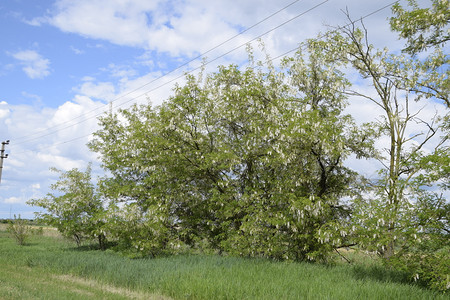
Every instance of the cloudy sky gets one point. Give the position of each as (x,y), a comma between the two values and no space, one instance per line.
(63,61)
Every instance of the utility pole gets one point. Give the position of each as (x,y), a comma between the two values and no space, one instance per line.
(2,156)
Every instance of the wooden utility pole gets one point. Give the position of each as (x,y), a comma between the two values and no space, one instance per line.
(2,156)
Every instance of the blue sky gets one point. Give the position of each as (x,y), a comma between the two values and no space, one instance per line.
(63,61)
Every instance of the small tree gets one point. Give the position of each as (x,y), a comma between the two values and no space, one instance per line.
(405,215)
(388,219)
(19,230)
(427,29)
(76,210)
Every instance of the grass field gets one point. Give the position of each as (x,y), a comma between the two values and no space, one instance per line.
(49,267)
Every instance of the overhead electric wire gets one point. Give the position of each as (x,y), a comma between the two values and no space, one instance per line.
(27,139)
(178,77)
(228,52)
(339,28)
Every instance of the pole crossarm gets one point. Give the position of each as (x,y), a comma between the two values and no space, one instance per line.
(2,156)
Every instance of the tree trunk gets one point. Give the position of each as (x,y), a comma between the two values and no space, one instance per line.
(102,241)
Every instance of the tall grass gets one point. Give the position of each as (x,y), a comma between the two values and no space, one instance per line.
(205,276)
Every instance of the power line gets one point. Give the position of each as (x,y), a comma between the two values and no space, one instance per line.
(26,139)
(339,28)
(180,76)
(228,52)
(222,55)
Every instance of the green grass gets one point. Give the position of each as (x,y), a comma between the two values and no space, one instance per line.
(51,268)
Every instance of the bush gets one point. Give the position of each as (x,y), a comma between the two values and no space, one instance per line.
(19,229)
(428,262)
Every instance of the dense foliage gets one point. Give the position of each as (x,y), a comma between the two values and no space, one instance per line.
(423,28)
(244,161)
(250,160)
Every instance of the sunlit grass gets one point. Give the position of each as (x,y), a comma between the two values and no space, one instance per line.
(52,268)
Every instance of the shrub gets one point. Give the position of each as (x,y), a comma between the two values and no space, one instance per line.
(19,229)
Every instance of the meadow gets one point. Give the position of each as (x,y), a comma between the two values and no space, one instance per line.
(50,267)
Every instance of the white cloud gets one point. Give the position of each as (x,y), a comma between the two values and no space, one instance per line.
(36,146)
(35,21)
(35,98)
(37,143)
(176,27)
(76,50)
(36,186)
(121,71)
(101,90)
(4,110)
(12,200)
(194,26)
(25,193)
(34,65)
(121,22)
(4,113)
(58,161)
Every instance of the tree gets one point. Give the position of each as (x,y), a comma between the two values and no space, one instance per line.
(422,27)
(244,161)
(426,29)
(137,189)
(403,207)
(76,210)
(394,97)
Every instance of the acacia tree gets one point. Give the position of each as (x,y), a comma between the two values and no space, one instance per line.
(400,212)
(427,29)
(138,188)
(76,210)
(423,28)
(242,161)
